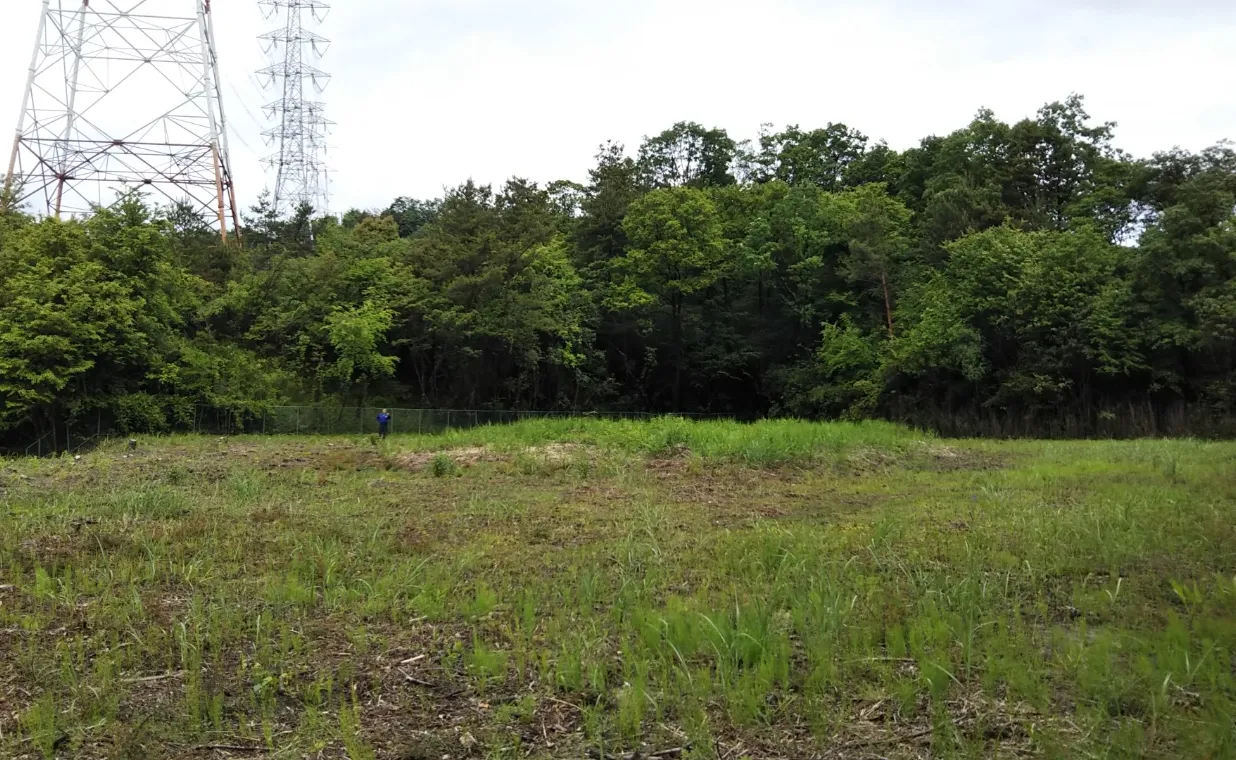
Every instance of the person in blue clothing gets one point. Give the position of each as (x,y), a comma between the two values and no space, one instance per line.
(384,423)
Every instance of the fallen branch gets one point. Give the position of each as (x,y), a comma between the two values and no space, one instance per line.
(637,755)
(894,739)
(152,679)
(417,681)
(411,660)
(899,660)
(566,704)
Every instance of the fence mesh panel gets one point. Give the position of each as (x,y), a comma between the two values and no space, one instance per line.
(82,434)
(303,420)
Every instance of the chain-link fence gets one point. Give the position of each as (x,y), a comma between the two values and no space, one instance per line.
(82,434)
(308,420)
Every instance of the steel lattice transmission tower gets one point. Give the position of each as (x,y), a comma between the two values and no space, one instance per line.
(301,125)
(123,95)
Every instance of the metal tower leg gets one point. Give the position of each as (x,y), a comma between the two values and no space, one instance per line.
(25,102)
(120,98)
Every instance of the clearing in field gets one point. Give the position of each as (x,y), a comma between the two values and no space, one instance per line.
(620,590)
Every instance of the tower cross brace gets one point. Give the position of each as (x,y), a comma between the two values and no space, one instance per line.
(123,96)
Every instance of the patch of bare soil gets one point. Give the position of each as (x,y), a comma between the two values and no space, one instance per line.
(670,462)
(881,727)
(735,498)
(415,538)
(949,459)
(270,514)
(926,456)
(420,460)
(333,457)
(868,460)
(553,453)
(560,452)
(55,550)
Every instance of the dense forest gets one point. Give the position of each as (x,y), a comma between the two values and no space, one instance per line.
(1022,278)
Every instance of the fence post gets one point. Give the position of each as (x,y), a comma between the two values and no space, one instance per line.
(298,420)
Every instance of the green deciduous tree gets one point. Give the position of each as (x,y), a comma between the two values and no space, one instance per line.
(821,157)
(1028,322)
(677,251)
(1019,277)
(688,155)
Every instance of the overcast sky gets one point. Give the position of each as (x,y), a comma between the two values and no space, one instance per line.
(428,93)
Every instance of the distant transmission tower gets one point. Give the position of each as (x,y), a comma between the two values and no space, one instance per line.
(123,95)
(301,125)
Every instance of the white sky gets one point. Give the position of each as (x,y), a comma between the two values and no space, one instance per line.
(428,93)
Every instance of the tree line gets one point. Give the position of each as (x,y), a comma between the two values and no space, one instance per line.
(1024,278)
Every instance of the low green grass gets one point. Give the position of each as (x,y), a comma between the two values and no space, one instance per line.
(759,444)
(560,588)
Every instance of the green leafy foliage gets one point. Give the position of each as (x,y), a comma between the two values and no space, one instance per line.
(1007,278)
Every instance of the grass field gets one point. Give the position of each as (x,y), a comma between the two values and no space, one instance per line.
(661,589)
